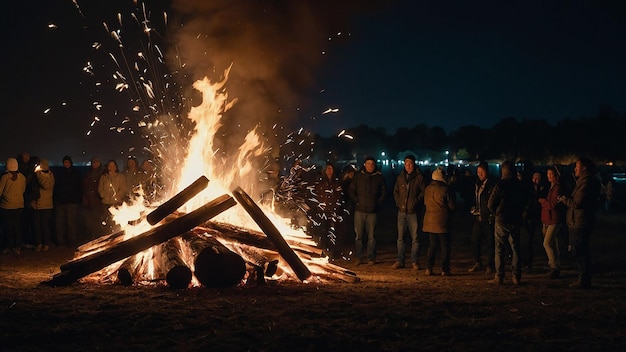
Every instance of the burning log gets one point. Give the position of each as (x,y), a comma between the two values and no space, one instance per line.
(256,238)
(78,268)
(100,242)
(170,259)
(215,265)
(153,217)
(129,270)
(177,201)
(273,234)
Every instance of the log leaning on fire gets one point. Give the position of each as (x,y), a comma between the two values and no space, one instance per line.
(177,272)
(78,268)
(177,201)
(215,265)
(273,234)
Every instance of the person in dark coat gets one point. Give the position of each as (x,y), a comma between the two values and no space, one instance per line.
(580,218)
(482,228)
(507,202)
(329,195)
(67,197)
(367,192)
(408,194)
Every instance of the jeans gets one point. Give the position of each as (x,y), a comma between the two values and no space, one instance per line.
(408,220)
(551,245)
(579,239)
(364,222)
(443,240)
(510,234)
(482,230)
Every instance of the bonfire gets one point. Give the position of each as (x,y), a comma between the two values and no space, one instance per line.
(199,237)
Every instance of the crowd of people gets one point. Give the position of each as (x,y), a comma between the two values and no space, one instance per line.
(41,208)
(510,211)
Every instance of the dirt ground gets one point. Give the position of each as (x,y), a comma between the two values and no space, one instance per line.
(388,310)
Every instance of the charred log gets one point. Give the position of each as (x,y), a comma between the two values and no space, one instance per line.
(170,260)
(177,201)
(129,270)
(78,268)
(301,270)
(215,265)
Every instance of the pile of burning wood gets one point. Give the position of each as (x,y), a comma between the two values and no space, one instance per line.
(223,254)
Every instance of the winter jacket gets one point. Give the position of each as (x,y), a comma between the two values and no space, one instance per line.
(408,191)
(46,188)
(67,186)
(551,211)
(439,201)
(12,191)
(582,204)
(112,188)
(367,191)
(482,199)
(507,202)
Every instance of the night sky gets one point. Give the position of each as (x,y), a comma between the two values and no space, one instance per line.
(388,64)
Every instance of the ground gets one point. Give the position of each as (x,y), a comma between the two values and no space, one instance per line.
(388,310)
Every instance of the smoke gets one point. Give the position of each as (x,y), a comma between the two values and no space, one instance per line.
(274,47)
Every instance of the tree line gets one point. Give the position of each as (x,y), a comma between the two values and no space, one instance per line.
(600,137)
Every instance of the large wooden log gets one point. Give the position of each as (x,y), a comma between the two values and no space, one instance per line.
(215,265)
(266,225)
(100,242)
(256,238)
(129,270)
(177,201)
(153,217)
(170,259)
(76,269)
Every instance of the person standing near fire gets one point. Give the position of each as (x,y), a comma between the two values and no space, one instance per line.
(536,189)
(12,187)
(552,218)
(329,194)
(94,212)
(367,192)
(113,191)
(67,197)
(580,217)
(133,177)
(408,193)
(439,201)
(43,205)
(507,202)
(482,228)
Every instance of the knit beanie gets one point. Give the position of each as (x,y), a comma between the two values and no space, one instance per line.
(12,164)
(438,175)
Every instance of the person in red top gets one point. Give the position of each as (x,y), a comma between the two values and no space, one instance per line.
(552,218)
